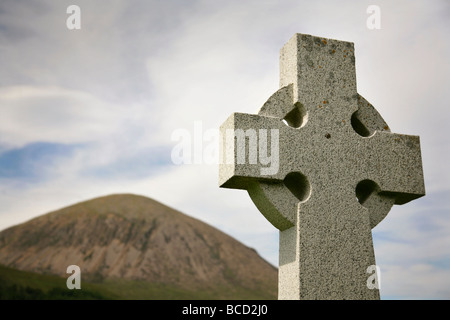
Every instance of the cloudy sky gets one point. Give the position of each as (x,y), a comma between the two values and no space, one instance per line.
(90,112)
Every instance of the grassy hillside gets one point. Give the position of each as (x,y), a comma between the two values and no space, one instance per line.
(18,285)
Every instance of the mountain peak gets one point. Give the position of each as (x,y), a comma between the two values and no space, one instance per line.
(127,205)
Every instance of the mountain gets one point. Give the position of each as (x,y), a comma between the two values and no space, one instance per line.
(135,242)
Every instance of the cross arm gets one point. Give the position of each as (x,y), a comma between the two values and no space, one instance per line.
(396,166)
(250,150)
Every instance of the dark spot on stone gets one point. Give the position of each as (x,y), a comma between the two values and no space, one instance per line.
(331,51)
(309,62)
(308,42)
(318,41)
(330,79)
(328,136)
(324,41)
(386,128)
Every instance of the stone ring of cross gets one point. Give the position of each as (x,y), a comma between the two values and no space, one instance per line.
(271,198)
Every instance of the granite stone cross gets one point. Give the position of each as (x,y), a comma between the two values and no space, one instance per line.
(339,170)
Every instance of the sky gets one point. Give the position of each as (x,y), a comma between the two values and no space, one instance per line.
(90,112)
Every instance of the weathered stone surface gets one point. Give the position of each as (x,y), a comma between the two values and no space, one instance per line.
(340,170)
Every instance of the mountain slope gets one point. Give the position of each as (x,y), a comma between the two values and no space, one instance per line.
(133,238)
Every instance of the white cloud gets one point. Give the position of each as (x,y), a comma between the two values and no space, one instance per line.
(54,114)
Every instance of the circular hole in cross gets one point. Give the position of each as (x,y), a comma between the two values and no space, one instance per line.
(358,126)
(364,189)
(298,184)
(297,117)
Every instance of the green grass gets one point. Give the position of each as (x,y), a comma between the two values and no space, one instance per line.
(19,285)
(15,284)
(130,289)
